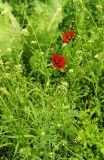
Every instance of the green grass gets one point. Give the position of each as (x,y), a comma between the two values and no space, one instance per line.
(48,113)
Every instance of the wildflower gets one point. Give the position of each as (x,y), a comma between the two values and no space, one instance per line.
(71,70)
(58,61)
(25,32)
(64,84)
(68,36)
(79,52)
(96,56)
(64,45)
(73,19)
(41,53)
(71,33)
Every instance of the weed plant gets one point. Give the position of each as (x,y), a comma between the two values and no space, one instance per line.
(47,112)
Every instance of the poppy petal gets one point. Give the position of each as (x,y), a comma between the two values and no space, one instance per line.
(58,61)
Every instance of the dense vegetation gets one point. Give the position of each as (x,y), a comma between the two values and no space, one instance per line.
(52,79)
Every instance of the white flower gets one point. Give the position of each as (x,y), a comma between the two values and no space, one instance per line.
(71,70)
(64,45)
(42,53)
(64,83)
(25,32)
(96,56)
(18,66)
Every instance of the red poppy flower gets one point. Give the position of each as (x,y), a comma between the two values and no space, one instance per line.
(68,36)
(71,33)
(58,61)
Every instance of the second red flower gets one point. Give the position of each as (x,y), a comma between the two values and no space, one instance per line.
(68,36)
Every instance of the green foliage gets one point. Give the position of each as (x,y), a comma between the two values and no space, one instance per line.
(42,33)
(49,113)
(10,31)
(43,25)
(33,123)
